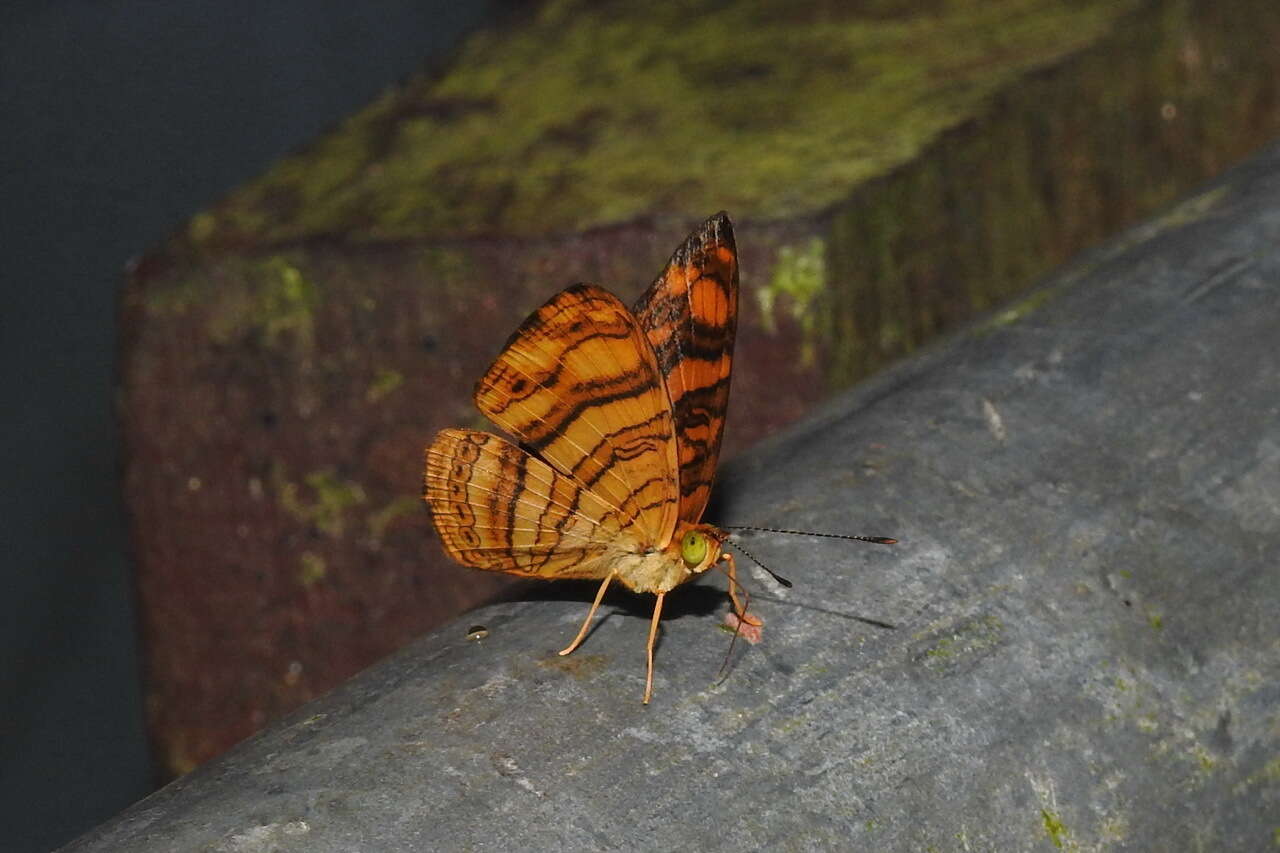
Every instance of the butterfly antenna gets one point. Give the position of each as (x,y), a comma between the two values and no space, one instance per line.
(777,577)
(878,540)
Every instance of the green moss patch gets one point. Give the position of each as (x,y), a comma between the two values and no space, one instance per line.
(597,113)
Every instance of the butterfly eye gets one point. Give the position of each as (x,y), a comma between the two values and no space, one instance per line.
(693,548)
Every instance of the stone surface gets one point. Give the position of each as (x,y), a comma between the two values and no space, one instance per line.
(1086,653)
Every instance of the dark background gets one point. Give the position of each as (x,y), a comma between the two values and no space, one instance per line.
(118,120)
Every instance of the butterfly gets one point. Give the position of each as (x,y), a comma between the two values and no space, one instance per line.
(619,414)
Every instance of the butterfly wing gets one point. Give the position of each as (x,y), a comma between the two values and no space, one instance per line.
(578,384)
(498,508)
(690,316)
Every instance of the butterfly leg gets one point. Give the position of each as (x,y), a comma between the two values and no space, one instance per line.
(739,606)
(653,636)
(577,641)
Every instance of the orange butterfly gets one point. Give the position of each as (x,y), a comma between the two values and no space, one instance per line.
(623,412)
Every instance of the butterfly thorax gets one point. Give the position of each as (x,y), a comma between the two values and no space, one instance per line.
(693,549)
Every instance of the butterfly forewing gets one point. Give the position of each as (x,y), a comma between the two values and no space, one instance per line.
(578,384)
(690,316)
(500,509)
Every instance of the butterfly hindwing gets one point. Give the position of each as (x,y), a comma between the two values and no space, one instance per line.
(578,384)
(690,316)
(498,508)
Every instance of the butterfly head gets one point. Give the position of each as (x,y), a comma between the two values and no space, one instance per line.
(698,546)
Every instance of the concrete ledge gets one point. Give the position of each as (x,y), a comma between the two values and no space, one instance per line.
(1087,655)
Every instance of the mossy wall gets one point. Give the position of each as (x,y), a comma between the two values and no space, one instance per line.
(1057,163)
(585,114)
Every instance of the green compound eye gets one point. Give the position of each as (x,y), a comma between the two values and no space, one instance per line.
(693,548)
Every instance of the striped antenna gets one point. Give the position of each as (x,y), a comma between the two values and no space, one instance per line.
(878,540)
(777,577)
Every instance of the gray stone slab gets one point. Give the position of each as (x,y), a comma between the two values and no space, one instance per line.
(1087,650)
